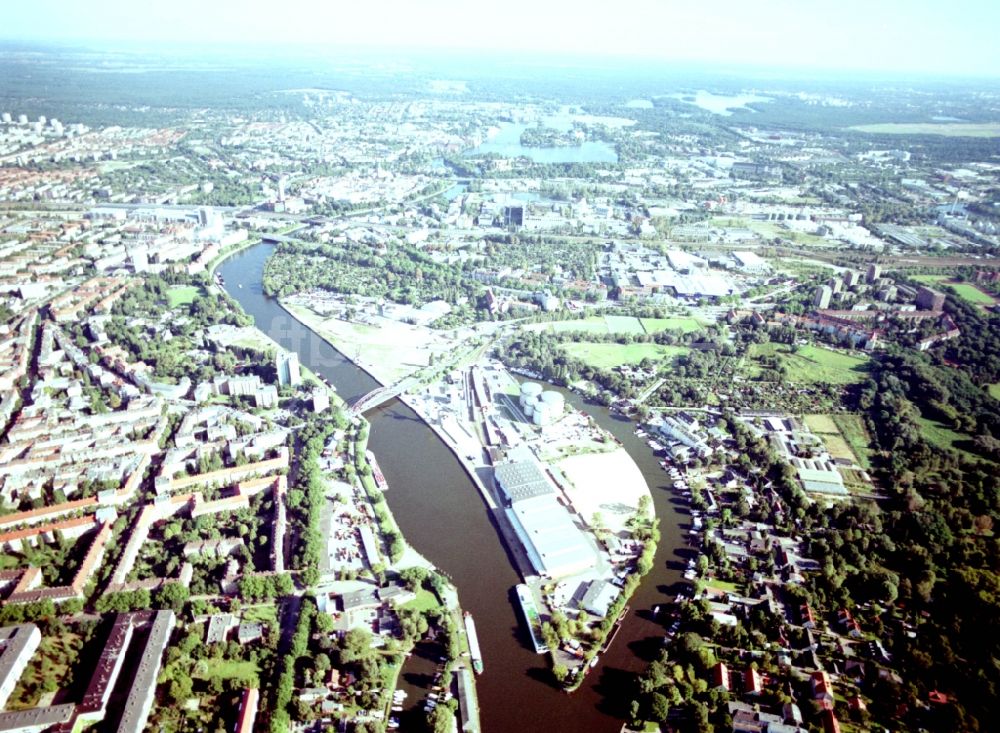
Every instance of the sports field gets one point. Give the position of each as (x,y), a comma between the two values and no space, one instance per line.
(966,291)
(948,129)
(971,294)
(608,356)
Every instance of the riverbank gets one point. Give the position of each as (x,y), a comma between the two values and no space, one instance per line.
(410,557)
(391,350)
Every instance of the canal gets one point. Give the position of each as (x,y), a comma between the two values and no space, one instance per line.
(443,516)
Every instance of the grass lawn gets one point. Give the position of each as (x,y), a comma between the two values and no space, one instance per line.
(994,390)
(424,601)
(655,325)
(930,279)
(227,669)
(943,437)
(619,325)
(821,424)
(623,324)
(265,613)
(723,585)
(947,129)
(607,356)
(816,364)
(593,324)
(971,294)
(183,295)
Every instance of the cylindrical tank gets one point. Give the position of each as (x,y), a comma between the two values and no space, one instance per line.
(529,409)
(531,389)
(554,400)
(543,414)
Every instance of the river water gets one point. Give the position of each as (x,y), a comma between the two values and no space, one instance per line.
(443,516)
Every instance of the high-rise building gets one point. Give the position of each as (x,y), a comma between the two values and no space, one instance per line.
(851,278)
(320,400)
(287,365)
(822,297)
(282,183)
(929,300)
(874,272)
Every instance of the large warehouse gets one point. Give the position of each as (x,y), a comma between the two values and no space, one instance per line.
(555,545)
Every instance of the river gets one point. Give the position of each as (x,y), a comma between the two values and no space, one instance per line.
(443,516)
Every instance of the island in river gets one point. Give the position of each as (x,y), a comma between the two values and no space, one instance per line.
(572,506)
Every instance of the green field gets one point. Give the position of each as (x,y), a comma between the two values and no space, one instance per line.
(593,324)
(655,325)
(931,279)
(228,669)
(940,435)
(183,295)
(623,324)
(949,129)
(994,390)
(971,294)
(822,424)
(853,430)
(843,435)
(815,364)
(607,356)
(265,613)
(617,325)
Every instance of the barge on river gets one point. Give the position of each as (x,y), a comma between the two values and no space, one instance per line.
(531,617)
(474,652)
(380,481)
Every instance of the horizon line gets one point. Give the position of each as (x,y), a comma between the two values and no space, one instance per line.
(302,50)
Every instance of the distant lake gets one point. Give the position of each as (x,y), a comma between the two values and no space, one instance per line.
(507,143)
(720,104)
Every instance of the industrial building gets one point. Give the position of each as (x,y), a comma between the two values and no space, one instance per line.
(556,546)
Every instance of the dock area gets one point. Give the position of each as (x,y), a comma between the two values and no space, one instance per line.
(468,705)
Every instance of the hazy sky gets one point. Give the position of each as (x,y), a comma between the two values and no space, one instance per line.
(944,36)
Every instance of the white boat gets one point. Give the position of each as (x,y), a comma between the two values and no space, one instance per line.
(474,651)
